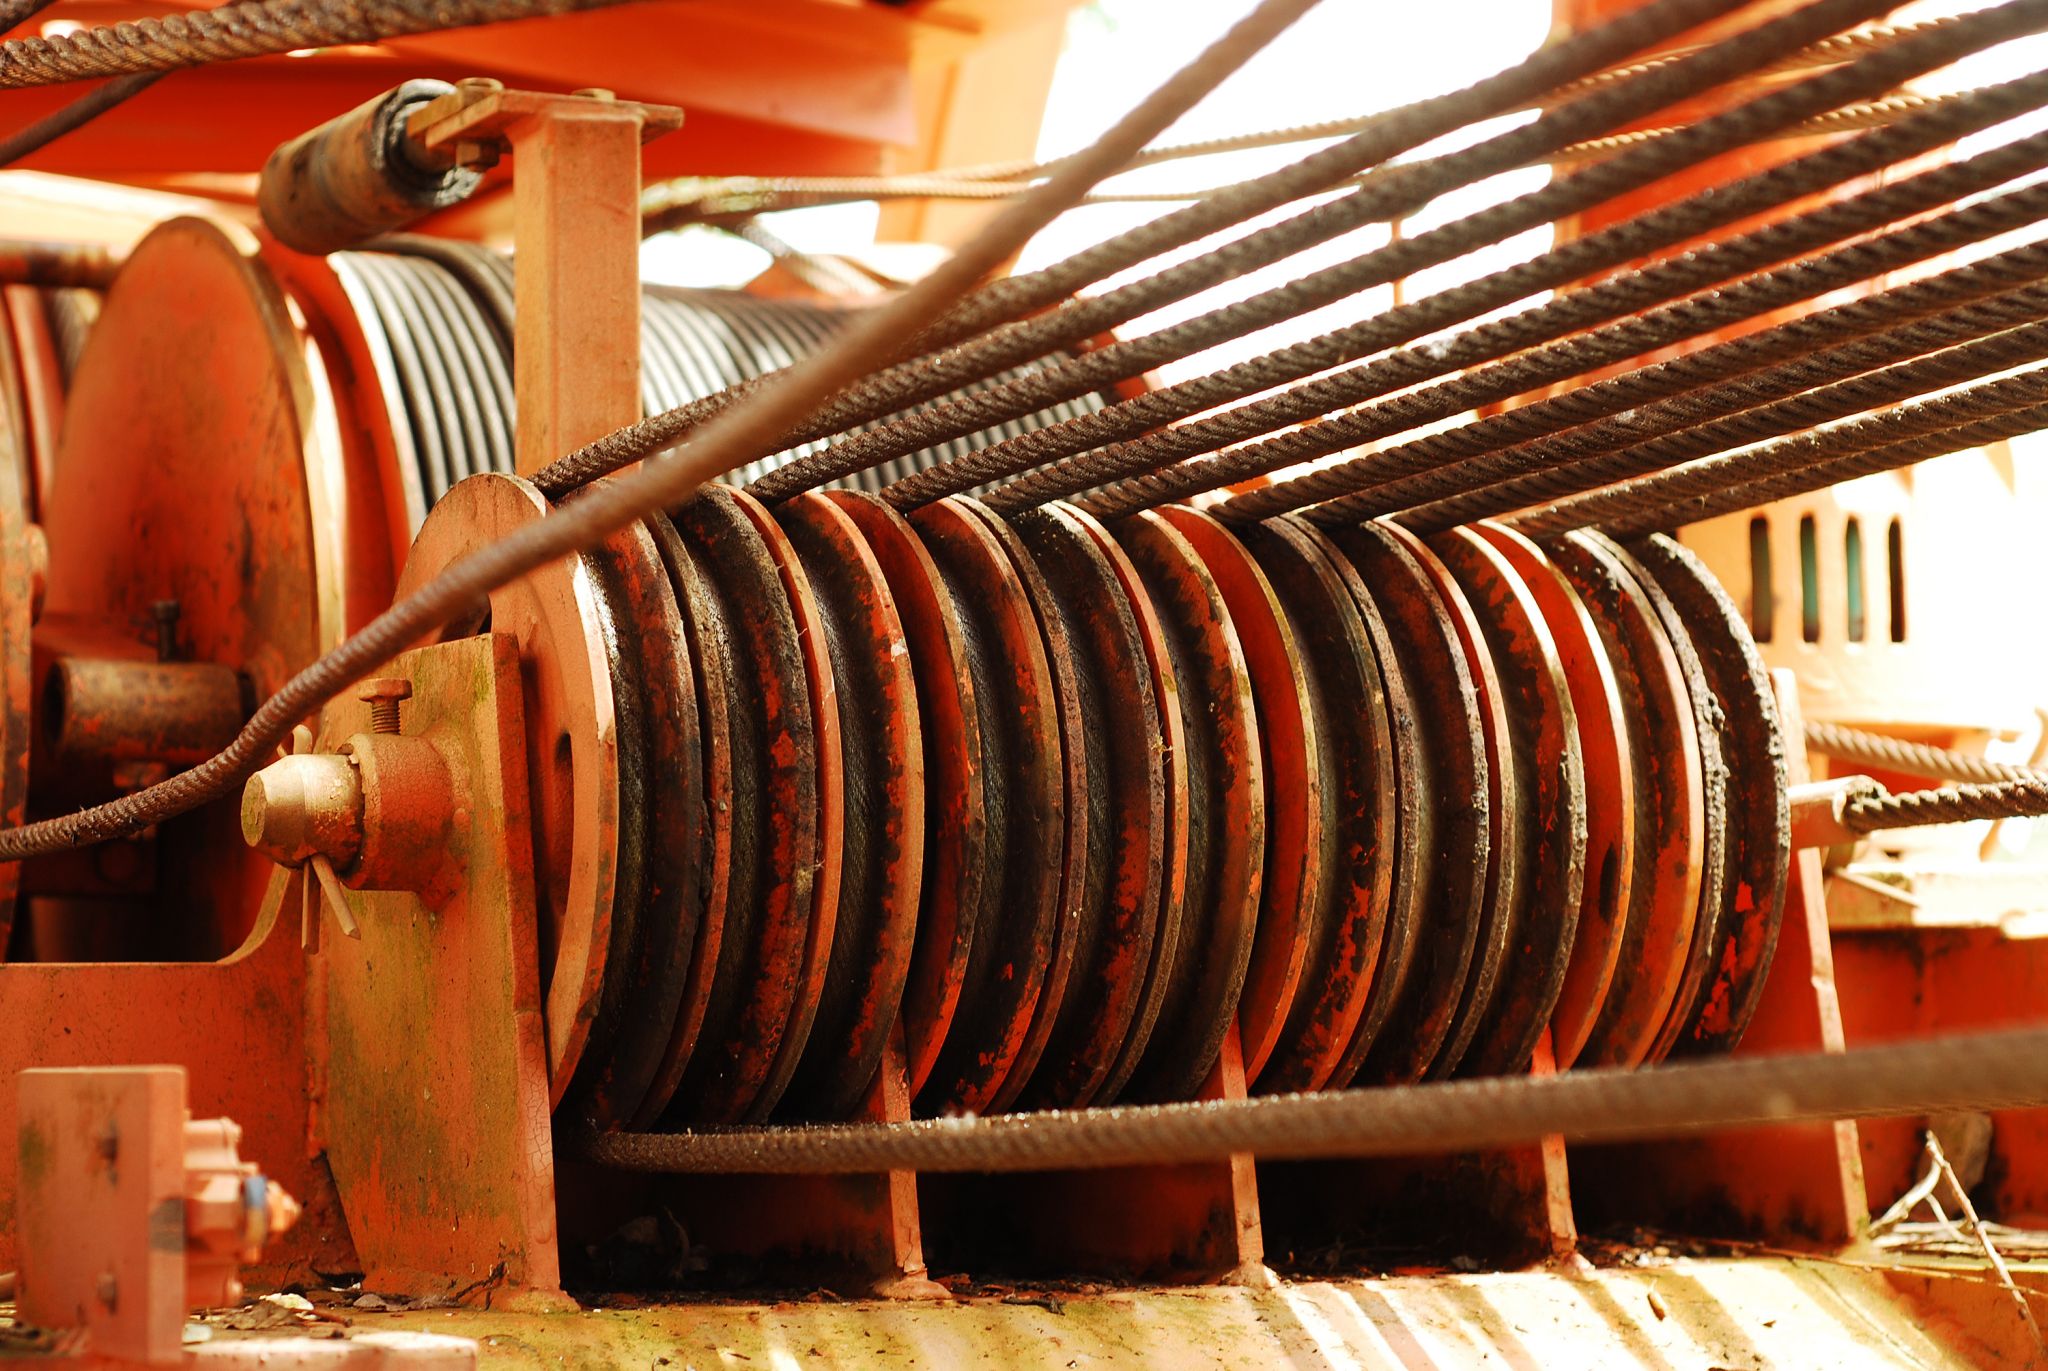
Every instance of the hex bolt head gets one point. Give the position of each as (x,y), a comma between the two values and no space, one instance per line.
(384,694)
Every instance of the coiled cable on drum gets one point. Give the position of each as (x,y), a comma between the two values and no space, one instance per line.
(438,318)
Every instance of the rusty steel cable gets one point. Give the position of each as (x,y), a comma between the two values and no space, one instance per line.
(2015,799)
(1148,458)
(701,200)
(1350,486)
(968,414)
(234,32)
(15,13)
(74,115)
(1431,467)
(1399,258)
(744,431)
(1864,748)
(724,201)
(911,378)
(1984,413)
(1817,385)
(1567,336)
(2006,1069)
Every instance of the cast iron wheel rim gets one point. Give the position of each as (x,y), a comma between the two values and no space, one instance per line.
(1759,798)
(1551,778)
(775,779)
(1361,829)
(1710,924)
(1452,739)
(650,977)
(1670,800)
(706,642)
(880,871)
(956,823)
(1108,689)
(1290,762)
(1610,792)
(1169,950)
(625,960)
(824,857)
(1226,812)
(1024,780)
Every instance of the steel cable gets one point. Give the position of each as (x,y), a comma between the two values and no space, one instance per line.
(745,431)
(1436,466)
(2017,799)
(1395,196)
(1974,1071)
(234,32)
(1915,759)
(1561,197)
(1967,344)
(1968,418)
(893,387)
(1142,457)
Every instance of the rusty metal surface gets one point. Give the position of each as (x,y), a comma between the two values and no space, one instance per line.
(882,861)
(1023,785)
(1609,773)
(1170,946)
(442,1157)
(831,791)
(1509,817)
(1670,822)
(17,575)
(1456,785)
(195,362)
(697,825)
(662,800)
(1290,762)
(770,958)
(1226,810)
(1111,864)
(1550,776)
(572,748)
(956,823)
(1710,926)
(1759,815)
(1354,723)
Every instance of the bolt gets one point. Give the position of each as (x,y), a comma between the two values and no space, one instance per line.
(165,613)
(384,694)
(477,87)
(596,93)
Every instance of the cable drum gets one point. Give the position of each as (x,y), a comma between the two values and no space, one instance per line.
(438,317)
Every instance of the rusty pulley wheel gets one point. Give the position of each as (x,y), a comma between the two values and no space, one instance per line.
(1550,776)
(818,679)
(762,963)
(1450,769)
(1603,743)
(1290,761)
(1759,803)
(1670,819)
(1092,628)
(572,746)
(1226,810)
(1361,820)
(708,850)
(654,933)
(882,860)
(1171,954)
(1710,922)
(1508,816)
(956,834)
(1023,786)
